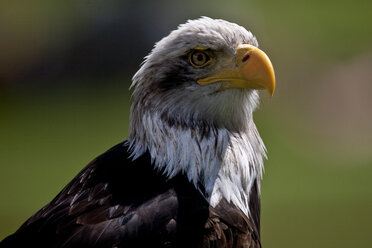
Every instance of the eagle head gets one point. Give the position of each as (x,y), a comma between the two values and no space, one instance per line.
(206,72)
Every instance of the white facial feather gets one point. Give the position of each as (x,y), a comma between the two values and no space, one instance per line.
(207,135)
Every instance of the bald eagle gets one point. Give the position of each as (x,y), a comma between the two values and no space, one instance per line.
(189,173)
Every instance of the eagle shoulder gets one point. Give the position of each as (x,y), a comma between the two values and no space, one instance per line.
(112,199)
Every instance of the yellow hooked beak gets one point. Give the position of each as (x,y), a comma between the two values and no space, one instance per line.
(254,71)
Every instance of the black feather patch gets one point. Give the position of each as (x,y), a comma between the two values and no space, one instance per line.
(175,77)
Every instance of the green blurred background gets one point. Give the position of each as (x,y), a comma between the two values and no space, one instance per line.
(65,69)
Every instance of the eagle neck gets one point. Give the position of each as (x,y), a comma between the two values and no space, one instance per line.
(225,163)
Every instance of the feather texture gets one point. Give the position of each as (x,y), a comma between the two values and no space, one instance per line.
(117,202)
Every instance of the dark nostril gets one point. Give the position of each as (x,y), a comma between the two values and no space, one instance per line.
(246,57)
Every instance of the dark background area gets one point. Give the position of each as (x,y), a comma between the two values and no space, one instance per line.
(65,70)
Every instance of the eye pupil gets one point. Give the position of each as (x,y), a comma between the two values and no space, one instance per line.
(199,58)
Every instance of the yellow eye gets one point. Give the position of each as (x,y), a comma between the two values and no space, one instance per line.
(199,59)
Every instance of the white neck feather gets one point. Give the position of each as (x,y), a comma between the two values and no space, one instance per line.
(225,163)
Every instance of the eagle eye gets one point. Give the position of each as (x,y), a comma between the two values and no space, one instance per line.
(199,58)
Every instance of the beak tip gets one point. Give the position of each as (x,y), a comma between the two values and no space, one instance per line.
(272,90)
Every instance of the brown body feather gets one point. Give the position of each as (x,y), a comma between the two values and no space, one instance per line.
(117,202)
